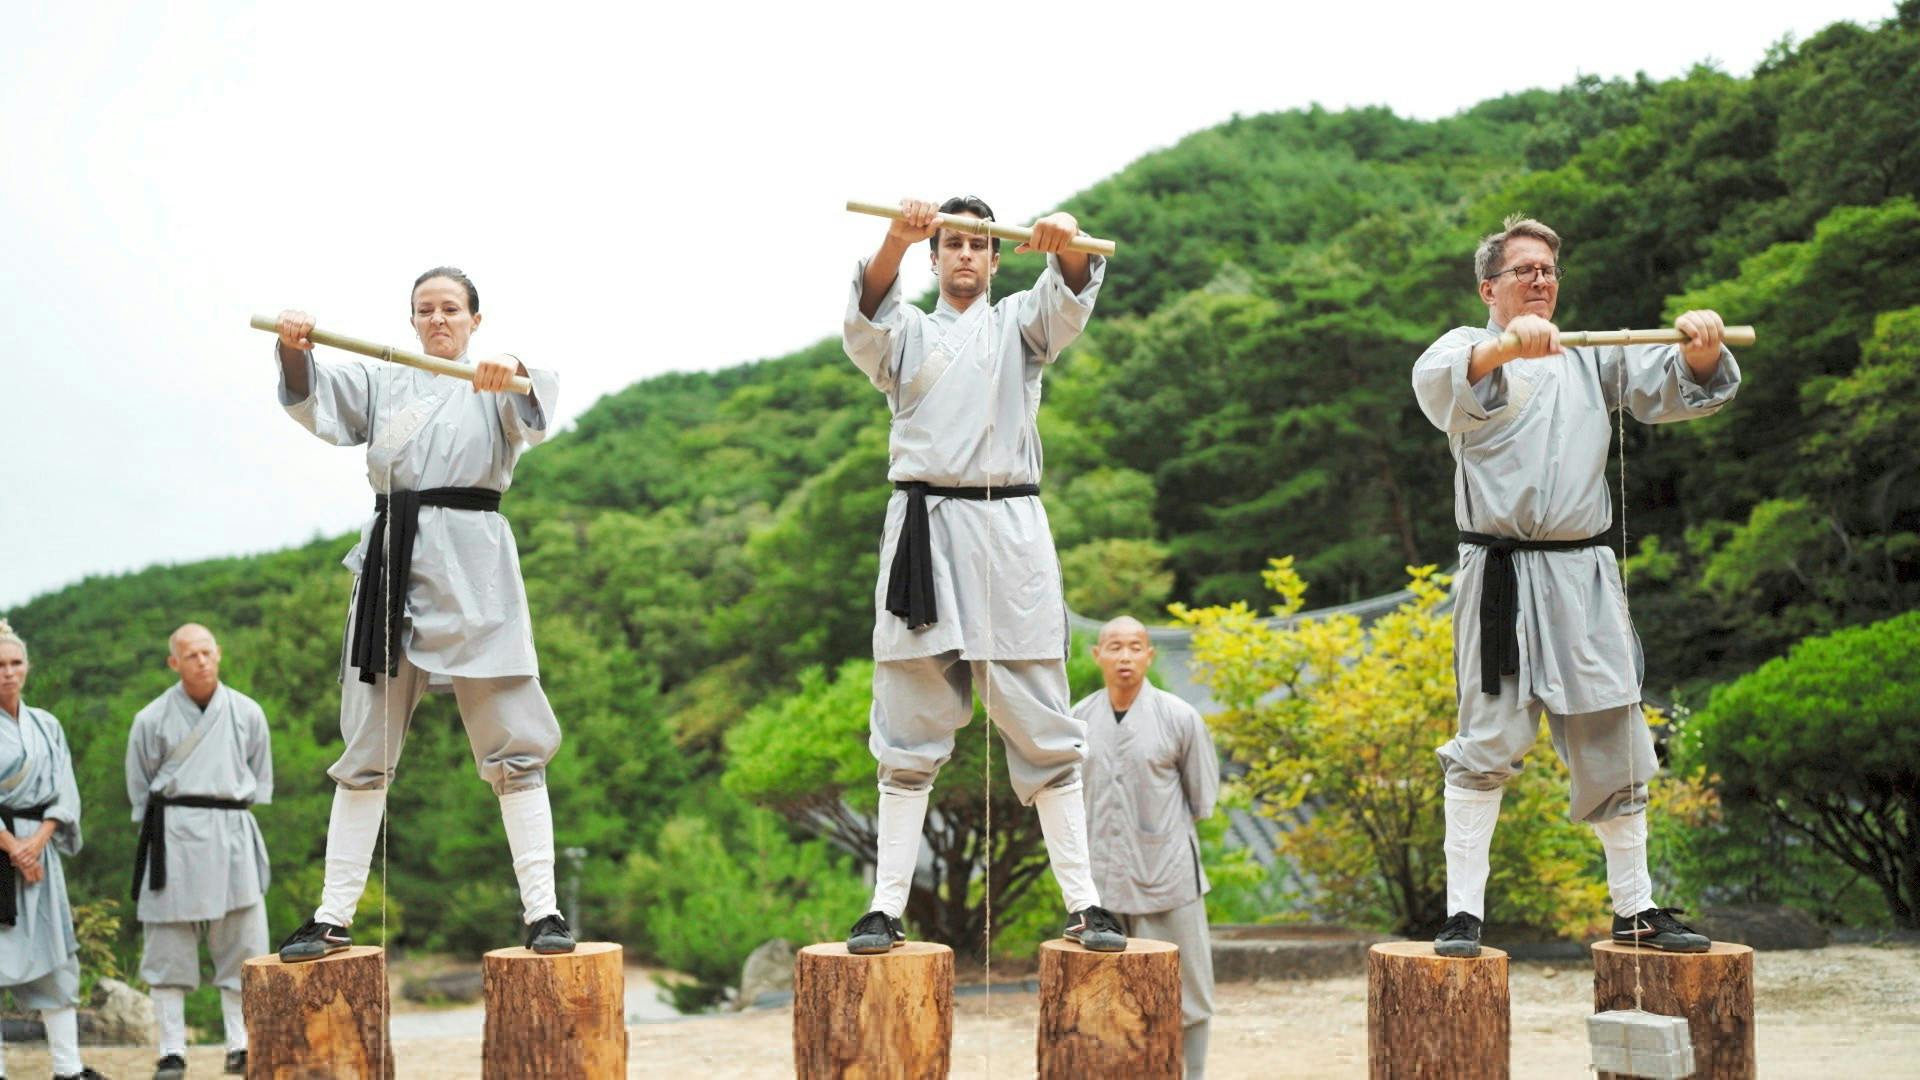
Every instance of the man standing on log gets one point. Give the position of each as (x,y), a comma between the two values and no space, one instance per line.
(1540,616)
(198,757)
(969,589)
(1152,774)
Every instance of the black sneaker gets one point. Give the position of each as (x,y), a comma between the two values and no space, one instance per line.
(314,940)
(875,933)
(550,935)
(1657,928)
(236,1063)
(1097,930)
(170,1067)
(85,1073)
(1460,937)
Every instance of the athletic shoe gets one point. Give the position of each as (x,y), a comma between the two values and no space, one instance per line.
(550,935)
(1657,928)
(875,933)
(85,1073)
(1096,929)
(1460,937)
(314,940)
(236,1063)
(170,1067)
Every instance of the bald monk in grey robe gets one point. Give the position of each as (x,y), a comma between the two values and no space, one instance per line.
(1540,616)
(438,598)
(40,813)
(199,756)
(1151,776)
(969,589)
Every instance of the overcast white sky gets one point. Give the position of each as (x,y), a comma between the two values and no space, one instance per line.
(635,189)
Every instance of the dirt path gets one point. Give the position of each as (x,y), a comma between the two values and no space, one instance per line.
(1849,1005)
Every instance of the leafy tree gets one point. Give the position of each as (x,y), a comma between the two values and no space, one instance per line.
(1825,741)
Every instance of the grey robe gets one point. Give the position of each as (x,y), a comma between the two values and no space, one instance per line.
(466,604)
(1148,779)
(1530,443)
(216,859)
(34,748)
(964,387)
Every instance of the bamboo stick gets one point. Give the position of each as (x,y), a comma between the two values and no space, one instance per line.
(1091,245)
(520,384)
(1733,335)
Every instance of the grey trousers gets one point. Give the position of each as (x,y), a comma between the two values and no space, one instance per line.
(57,989)
(919,704)
(510,727)
(1610,753)
(170,955)
(1186,926)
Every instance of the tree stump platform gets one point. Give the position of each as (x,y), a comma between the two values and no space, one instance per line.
(1110,1014)
(1712,990)
(889,1015)
(1437,1016)
(560,1015)
(318,1019)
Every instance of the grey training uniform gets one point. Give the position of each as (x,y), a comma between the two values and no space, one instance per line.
(216,859)
(467,621)
(39,953)
(1530,445)
(1149,779)
(964,388)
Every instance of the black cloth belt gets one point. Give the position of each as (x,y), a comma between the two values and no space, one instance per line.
(376,606)
(1500,601)
(150,858)
(9,878)
(910,581)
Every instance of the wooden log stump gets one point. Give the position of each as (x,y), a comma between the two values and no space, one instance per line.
(561,1015)
(1436,1016)
(318,1019)
(889,1015)
(1109,1014)
(1712,990)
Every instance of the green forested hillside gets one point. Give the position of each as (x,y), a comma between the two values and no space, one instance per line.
(699,542)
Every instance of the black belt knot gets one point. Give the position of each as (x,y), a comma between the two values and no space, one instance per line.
(1500,601)
(375,606)
(150,858)
(910,580)
(9,879)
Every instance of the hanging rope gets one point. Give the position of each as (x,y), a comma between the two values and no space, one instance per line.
(986,729)
(1620,427)
(386,715)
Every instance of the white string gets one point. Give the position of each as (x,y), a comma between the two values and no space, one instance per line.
(1633,743)
(387,664)
(986,729)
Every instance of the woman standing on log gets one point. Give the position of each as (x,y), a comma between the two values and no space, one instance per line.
(438,602)
(40,807)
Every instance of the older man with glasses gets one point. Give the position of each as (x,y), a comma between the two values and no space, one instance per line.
(1540,616)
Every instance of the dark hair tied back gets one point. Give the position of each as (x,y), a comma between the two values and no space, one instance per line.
(965,204)
(451,273)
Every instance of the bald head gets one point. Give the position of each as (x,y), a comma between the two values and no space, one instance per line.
(1124,653)
(1125,624)
(196,656)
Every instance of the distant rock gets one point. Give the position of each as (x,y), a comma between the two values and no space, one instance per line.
(455,986)
(1762,926)
(120,1016)
(768,973)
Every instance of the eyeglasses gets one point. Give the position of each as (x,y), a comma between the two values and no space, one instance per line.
(1527,275)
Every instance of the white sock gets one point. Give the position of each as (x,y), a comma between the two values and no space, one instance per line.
(63,1040)
(352,830)
(3,1054)
(170,1016)
(1471,816)
(1063,821)
(901,816)
(234,1018)
(1625,841)
(528,817)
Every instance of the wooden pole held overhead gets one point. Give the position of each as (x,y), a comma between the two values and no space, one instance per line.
(1090,245)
